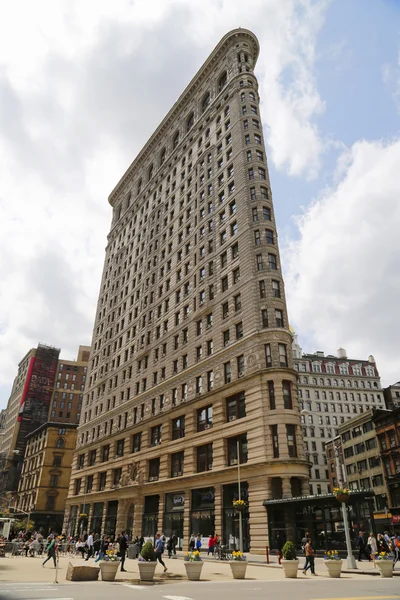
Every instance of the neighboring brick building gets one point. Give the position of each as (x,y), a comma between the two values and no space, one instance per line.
(67,397)
(387,426)
(191,352)
(392,396)
(45,476)
(332,389)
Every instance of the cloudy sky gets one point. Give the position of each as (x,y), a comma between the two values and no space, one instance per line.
(84,84)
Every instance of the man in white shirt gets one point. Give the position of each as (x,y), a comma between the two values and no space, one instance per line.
(89,545)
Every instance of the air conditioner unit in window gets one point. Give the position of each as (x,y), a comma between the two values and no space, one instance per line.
(207,426)
(153,478)
(241,373)
(232,418)
(233,461)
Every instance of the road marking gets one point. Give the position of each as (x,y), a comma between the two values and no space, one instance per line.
(135,587)
(177,598)
(30,589)
(361,598)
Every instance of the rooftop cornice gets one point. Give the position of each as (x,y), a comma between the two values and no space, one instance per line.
(191,88)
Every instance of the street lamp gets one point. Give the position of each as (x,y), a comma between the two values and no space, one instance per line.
(351,563)
(239,493)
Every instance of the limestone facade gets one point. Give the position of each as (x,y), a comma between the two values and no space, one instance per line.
(191,351)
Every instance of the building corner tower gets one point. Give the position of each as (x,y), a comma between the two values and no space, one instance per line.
(191,367)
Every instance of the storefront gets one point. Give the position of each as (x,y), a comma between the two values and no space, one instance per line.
(173,515)
(73,520)
(230,523)
(289,519)
(202,515)
(97,517)
(110,525)
(150,516)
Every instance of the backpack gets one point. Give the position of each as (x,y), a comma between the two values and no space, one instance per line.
(397,542)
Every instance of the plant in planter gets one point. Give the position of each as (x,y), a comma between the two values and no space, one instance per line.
(147,562)
(193,565)
(109,565)
(239,505)
(385,564)
(238,565)
(290,561)
(333,563)
(342,494)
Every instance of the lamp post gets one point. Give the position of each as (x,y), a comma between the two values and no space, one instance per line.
(240,497)
(351,563)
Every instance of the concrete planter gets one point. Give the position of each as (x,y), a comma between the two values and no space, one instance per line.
(291,568)
(334,567)
(147,569)
(385,567)
(109,569)
(193,569)
(238,568)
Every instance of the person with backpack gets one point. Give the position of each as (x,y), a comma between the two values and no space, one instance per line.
(198,542)
(159,549)
(396,548)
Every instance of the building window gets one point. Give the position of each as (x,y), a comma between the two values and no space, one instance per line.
(78,484)
(120,447)
(235,407)
(260,264)
(199,384)
(102,480)
(291,440)
(263,290)
(287,395)
(268,356)
(266,213)
(117,474)
(178,428)
(276,289)
(177,460)
(232,449)
(154,469)
(136,442)
(210,380)
(240,365)
(204,418)
(272,263)
(271,394)
(283,361)
(204,458)
(60,443)
(105,452)
(50,503)
(264,317)
(156,435)
(227,372)
(54,481)
(57,460)
(239,330)
(279,318)
(275,441)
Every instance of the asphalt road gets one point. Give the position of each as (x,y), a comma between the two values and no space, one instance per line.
(342,589)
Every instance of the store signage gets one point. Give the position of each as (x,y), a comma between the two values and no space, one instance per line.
(207,496)
(178,500)
(395,519)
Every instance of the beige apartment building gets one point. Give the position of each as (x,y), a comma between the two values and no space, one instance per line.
(191,369)
(332,390)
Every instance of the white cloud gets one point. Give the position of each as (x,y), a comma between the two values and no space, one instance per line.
(82,87)
(343,274)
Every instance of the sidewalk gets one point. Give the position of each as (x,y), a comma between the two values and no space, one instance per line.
(30,570)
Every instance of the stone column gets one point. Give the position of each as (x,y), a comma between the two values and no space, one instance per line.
(161,505)
(138,516)
(305,487)
(186,517)
(258,520)
(218,509)
(286,487)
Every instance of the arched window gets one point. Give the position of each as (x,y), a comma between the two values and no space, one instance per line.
(60,443)
(175,140)
(190,121)
(163,156)
(139,186)
(206,101)
(150,172)
(222,81)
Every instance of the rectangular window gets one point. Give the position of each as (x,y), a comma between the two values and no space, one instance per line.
(268,356)
(156,435)
(283,361)
(287,395)
(154,469)
(105,453)
(136,442)
(177,460)
(263,290)
(271,394)
(178,428)
(204,458)
(227,372)
(204,418)
(269,236)
(232,449)
(120,448)
(264,317)
(279,318)
(260,264)
(291,440)
(272,262)
(236,407)
(276,290)
(275,441)
(266,213)
(239,330)
(102,480)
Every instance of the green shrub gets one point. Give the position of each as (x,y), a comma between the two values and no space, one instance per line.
(289,551)
(147,552)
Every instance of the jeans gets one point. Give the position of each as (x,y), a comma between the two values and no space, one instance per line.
(310,564)
(100,556)
(159,558)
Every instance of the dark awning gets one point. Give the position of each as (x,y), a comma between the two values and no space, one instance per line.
(321,498)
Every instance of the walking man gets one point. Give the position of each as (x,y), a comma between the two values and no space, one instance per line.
(89,543)
(51,551)
(159,549)
(362,547)
(122,549)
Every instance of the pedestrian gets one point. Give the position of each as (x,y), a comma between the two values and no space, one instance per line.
(198,542)
(159,549)
(362,547)
(96,544)
(382,545)
(310,558)
(103,548)
(396,548)
(388,541)
(123,546)
(210,545)
(169,547)
(304,541)
(372,547)
(51,552)
(89,543)
(141,542)
(174,543)
(192,542)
